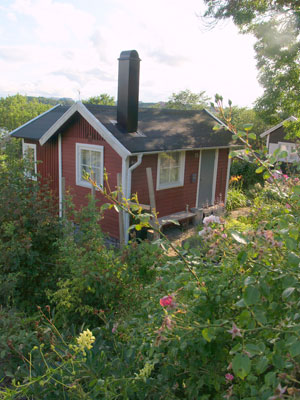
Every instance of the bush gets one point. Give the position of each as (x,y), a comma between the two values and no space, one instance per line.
(247,171)
(235,199)
(29,228)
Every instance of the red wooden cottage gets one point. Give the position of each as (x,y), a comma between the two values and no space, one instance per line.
(189,160)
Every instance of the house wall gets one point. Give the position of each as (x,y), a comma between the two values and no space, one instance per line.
(81,132)
(221,175)
(171,200)
(279,136)
(47,167)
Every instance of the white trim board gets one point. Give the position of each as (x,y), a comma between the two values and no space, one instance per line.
(93,121)
(215,176)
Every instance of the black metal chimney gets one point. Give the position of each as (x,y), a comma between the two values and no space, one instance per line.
(128,90)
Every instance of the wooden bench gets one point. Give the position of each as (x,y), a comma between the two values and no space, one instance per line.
(179,217)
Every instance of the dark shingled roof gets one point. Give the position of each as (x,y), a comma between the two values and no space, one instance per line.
(35,128)
(158,129)
(164,129)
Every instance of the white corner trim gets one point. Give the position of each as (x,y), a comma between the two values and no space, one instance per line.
(227,177)
(215,177)
(93,121)
(216,118)
(292,118)
(25,146)
(29,122)
(83,146)
(198,184)
(178,183)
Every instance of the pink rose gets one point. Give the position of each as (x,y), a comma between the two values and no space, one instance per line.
(229,377)
(166,301)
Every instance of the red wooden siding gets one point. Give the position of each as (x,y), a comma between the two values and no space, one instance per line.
(80,131)
(47,167)
(221,175)
(167,200)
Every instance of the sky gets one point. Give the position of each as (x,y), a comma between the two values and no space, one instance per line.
(70,48)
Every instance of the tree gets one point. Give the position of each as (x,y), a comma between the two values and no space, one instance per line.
(104,99)
(17,110)
(276,26)
(187,100)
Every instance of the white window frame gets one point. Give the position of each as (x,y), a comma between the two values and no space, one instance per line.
(180,181)
(92,147)
(26,146)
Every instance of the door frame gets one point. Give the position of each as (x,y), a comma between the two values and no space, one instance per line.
(214,176)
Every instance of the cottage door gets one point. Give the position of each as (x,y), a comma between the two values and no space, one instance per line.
(206,183)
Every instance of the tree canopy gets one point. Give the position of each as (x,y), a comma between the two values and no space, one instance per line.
(187,100)
(17,110)
(276,26)
(104,99)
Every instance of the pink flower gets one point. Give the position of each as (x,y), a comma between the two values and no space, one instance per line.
(224,236)
(229,377)
(115,326)
(279,391)
(166,301)
(296,180)
(285,176)
(288,206)
(235,331)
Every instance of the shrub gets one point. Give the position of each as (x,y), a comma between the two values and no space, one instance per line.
(235,199)
(29,228)
(247,171)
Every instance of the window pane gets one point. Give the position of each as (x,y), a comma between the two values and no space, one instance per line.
(95,159)
(97,176)
(164,160)
(85,157)
(84,171)
(164,176)
(174,175)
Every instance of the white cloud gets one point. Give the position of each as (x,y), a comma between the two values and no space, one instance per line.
(62,48)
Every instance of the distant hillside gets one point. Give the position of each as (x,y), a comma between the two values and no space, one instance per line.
(65,101)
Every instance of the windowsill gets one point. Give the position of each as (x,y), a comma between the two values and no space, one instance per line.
(170,186)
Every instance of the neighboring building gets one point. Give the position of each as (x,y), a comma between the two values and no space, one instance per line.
(276,138)
(188,158)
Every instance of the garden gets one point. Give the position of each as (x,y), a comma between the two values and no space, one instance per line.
(217,319)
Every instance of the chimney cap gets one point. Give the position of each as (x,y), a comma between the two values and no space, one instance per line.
(129,55)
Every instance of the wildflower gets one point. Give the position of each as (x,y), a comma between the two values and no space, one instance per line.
(279,391)
(224,236)
(229,377)
(166,301)
(235,331)
(85,340)
(114,328)
(288,206)
(212,219)
(296,180)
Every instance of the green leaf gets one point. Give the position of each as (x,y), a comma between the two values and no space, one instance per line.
(253,349)
(293,259)
(248,127)
(260,169)
(241,365)
(266,175)
(287,292)
(295,349)
(252,136)
(296,189)
(236,348)
(249,280)
(262,365)
(251,295)
(237,236)
(208,334)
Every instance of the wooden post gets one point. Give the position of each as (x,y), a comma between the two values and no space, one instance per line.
(153,222)
(121,220)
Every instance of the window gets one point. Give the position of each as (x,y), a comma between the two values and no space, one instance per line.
(89,161)
(29,152)
(170,170)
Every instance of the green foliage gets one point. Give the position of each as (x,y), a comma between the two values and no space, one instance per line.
(28,232)
(186,100)
(247,170)
(235,199)
(16,110)
(104,99)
